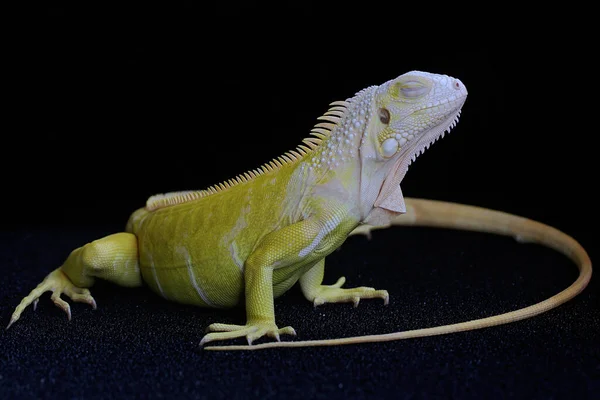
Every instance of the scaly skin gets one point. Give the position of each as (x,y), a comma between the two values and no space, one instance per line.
(440,214)
(252,238)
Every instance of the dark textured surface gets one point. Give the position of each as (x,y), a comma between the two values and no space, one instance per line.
(138,345)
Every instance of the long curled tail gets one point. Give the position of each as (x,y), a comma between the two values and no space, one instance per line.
(441,214)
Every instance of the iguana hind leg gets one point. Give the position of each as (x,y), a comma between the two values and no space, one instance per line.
(319,294)
(114,258)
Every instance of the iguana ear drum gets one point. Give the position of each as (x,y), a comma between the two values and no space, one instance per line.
(389,147)
(384,115)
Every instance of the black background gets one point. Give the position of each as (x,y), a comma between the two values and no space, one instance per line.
(108,105)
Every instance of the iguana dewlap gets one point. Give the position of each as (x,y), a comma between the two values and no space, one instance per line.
(250,239)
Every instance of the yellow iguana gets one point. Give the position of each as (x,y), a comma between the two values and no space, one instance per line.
(248,240)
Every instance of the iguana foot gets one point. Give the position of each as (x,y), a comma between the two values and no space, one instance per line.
(58,283)
(335,294)
(252,332)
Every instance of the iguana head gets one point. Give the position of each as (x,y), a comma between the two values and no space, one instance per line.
(407,115)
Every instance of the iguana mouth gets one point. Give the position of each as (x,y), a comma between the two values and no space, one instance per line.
(430,137)
(390,195)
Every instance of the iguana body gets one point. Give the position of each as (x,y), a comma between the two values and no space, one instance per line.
(250,239)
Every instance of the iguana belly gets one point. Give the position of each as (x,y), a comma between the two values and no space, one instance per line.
(194,253)
(183,259)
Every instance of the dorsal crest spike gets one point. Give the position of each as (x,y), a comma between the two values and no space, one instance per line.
(340,103)
(164,200)
(329,118)
(310,144)
(321,131)
(335,113)
(319,135)
(325,125)
(292,155)
(303,150)
(314,140)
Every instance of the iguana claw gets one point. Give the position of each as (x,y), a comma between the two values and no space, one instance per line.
(252,332)
(58,283)
(336,294)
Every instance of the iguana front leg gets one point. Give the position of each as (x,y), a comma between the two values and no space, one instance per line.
(313,290)
(292,247)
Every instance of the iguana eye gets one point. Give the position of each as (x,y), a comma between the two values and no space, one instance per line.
(384,115)
(412,89)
